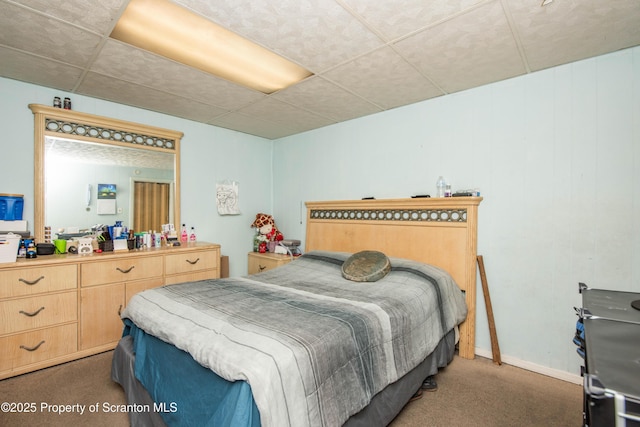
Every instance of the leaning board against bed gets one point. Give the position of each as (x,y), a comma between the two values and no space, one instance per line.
(437,231)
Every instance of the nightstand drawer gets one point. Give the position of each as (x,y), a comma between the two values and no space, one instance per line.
(35,280)
(36,312)
(114,271)
(258,263)
(36,346)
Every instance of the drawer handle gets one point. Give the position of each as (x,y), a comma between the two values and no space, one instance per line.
(31,283)
(125,271)
(32,348)
(262,267)
(120,310)
(35,313)
(194,262)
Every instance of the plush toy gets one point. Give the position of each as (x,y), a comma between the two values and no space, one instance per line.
(266,232)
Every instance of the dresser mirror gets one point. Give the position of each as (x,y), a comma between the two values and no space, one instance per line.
(91,170)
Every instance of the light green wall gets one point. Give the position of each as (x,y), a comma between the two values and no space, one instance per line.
(556,155)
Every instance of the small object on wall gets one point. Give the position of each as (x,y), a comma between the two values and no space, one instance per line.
(88,197)
(56,102)
(67,104)
(106,204)
(227,198)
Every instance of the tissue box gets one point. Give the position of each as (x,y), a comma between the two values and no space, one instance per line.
(120,245)
(9,244)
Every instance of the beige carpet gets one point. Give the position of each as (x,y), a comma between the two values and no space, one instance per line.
(470,393)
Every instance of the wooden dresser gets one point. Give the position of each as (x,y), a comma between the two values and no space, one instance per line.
(58,308)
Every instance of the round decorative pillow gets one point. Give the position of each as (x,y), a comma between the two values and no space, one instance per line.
(366,266)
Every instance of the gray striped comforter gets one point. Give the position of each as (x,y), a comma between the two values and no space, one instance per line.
(314,347)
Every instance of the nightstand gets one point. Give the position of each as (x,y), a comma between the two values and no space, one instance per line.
(257,262)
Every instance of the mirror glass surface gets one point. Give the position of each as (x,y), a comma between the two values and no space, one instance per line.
(91,170)
(78,172)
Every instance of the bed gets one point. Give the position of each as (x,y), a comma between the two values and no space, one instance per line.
(301,344)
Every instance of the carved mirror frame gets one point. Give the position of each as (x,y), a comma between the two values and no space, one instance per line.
(70,124)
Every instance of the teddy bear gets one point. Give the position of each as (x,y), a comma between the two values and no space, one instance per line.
(266,232)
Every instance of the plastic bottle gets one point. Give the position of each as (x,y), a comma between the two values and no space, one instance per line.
(184,236)
(22,250)
(192,236)
(31,250)
(440,185)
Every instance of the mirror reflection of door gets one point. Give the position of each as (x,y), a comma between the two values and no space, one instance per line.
(151,205)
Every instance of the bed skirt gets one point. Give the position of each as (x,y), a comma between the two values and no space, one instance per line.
(383,408)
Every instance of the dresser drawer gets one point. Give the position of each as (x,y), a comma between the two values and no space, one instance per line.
(30,281)
(114,271)
(192,277)
(191,262)
(36,346)
(35,312)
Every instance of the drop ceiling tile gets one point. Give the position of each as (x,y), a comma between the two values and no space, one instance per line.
(566,31)
(395,19)
(317,34)
(100,20)
(273,110)
(464,52)
(130,94)
(34,69)
(25,30)
(326,99)
(137,66)
(384,78)
(253,126)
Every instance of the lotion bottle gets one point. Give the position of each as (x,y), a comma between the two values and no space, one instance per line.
(184,236)
(192,236)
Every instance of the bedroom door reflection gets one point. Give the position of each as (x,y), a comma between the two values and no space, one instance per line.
(151,202)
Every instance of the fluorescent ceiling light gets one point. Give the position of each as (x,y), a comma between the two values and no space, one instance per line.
(164,28)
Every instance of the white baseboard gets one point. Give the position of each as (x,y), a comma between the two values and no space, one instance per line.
(539,369)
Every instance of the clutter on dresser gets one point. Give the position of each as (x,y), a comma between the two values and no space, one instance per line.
(9,244)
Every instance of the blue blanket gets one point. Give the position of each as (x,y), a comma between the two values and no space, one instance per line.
(186,393)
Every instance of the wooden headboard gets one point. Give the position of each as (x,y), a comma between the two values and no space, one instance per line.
(437,231)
